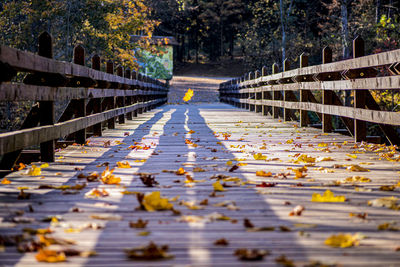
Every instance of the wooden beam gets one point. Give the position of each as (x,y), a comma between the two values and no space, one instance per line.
(327,94)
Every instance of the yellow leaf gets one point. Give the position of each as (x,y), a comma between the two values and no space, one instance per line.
(140,160)
(229,163)
(259,156)
(143,233)
(198,169)
(357,168)
(299,174)
(305,159)
(351,156)
(328,196)
(123,164)
(191,132)
(108,178)
(5,181)
(51,256)
(154,201)
(34,171)
(180,171)
(188,95)
(95,193)
(241,164)
(290,141)
(263,174)
(218,187)
(357,179)
(322,145)
(343,240)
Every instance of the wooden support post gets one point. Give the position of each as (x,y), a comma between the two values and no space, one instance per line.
(327,95)
(304,94)
(258,95)
(264,95)
(134,98)
(80,105)
(121,99)
(128,99)
(275,94)
(251,96)
(46,108)
(360,127)
(140,97)
(286,115)
(97,129)
(111,100)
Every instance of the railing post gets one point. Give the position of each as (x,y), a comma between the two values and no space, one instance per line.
(111,100)
(258,94)
(128,99)
(360,127)
(46,108)
(135,97)
(304,94)
(251,94)
(286,116)
(327,95)
(275,94)
(80,104)
(97,129)
(121,99)
(264,94)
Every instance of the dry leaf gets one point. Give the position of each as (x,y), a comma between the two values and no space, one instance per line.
(357,179)
(50,256)
(95,193)
(218,187)
(149,252)
(388,202)
(250,254)
(284,261)
(297,211)
(108,217)
(5,181)
(180,171)
(139,224)
(263,174)
(153,202)
(148,179)
(188,95)
(328,196)
(221,242)
(123,164)
(108,178)
(34,171)
(259,156)
(357,168)
(343,240)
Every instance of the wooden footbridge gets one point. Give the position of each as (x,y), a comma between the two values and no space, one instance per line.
(125,180)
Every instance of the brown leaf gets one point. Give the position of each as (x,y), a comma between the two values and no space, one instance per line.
(297,211)
(149,252)
(282,260)
(139,224)
(221,242)
(247,223)
(23,195)
(233,168)
(148,179)
(245,254)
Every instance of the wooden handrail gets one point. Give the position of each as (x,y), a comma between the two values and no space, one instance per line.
(94,97)
(292,90)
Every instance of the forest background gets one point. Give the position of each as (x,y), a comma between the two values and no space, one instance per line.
(250,33)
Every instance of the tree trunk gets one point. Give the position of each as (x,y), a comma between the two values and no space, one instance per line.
(283,32)
(345,29)
(378,11)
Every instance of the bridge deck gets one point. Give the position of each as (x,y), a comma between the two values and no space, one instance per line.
(299,238)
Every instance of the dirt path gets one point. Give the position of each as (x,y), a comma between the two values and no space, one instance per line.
(205,88)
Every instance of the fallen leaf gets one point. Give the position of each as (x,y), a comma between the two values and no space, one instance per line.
(107,217)
(50,256)
(234,168)
(245,254)
(123,164)
(95,193)
(107,177)
(259,156)
(149,252)
(264,184)
(247,223)
(34,171)
(180,171)
(263,174)
(148,179)
(328,196)
(357,168)
(221,242)
(198,169)
(153,202)
(305,159)
(297,211)
(343,240)
(391,226)
(188,95)
(138,224)
(357,179)
(388,202)
(218,187)
(5,181)
(284,261)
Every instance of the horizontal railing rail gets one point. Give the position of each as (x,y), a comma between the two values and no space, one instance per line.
(289,94)
(95,98)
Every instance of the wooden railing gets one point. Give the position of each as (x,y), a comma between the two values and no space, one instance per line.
(290,92)
(94,97)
